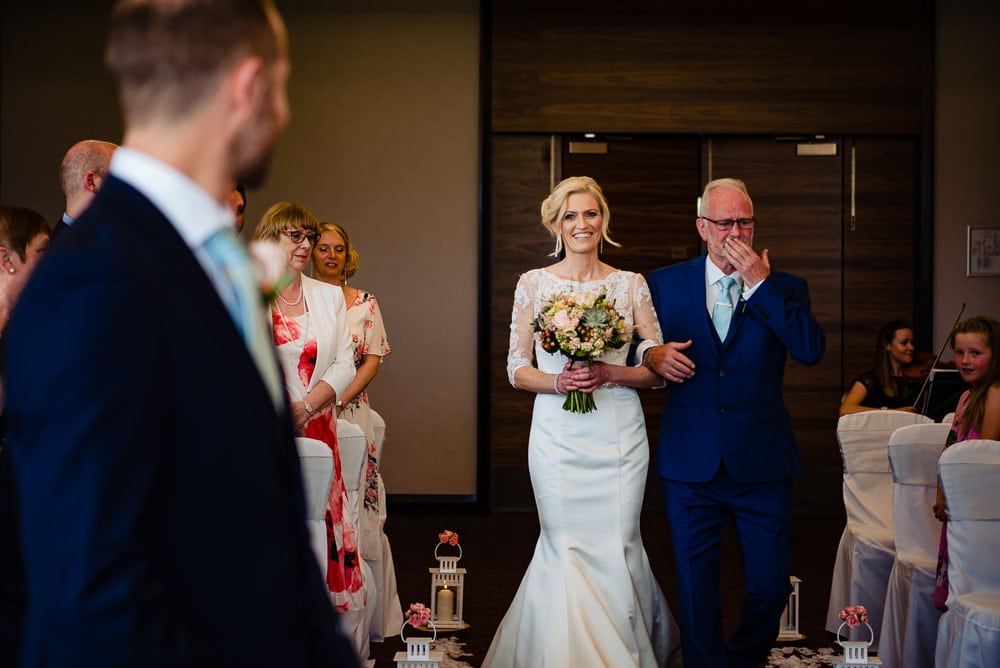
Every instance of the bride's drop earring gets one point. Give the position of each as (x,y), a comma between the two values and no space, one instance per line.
(600,247)
(555,254)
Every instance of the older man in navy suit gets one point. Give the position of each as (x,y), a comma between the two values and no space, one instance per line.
(162,506)
(726,445)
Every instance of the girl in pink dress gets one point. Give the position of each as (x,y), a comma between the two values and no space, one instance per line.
(977,415)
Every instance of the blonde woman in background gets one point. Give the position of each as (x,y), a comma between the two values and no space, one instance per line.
(334,262)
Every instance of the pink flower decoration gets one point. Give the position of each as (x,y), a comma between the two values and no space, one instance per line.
(854,615)
(449,537)
(418,615)
(562,320)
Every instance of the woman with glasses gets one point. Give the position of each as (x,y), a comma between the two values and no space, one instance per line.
(335,261)
(315,352)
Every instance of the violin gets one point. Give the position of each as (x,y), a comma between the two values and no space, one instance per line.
(921,366)
(927,376)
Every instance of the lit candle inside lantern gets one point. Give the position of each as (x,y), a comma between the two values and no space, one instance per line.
(445,605)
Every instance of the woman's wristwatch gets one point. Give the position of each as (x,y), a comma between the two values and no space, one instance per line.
(308,406)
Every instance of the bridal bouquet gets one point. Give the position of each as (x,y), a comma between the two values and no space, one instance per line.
(581,326)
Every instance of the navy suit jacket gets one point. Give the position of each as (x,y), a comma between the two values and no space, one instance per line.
(732,410)
(162,508)
(59,228)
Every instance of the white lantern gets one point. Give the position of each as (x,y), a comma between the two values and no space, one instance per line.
(418,652)
(788,627)
(448,586)
(855,651)
(418,655)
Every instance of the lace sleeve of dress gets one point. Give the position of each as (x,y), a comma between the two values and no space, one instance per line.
(522,331)
(647,325)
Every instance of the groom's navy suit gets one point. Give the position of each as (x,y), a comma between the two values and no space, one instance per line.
(161,500)
(726,436)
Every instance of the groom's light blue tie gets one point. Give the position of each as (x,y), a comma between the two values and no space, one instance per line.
(242,298)
(722,314)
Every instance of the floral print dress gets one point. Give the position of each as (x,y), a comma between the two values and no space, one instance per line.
(295,341)
(364,320)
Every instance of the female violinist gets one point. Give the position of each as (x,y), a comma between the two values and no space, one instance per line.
(894,380)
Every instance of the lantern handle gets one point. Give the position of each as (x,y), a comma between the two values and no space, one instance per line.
(430,623)
(458,545)
(870,632)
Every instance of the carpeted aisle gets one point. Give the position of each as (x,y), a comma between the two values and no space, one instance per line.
(497,549)
(794,657)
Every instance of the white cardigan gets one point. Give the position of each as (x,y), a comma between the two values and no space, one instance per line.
(334,348)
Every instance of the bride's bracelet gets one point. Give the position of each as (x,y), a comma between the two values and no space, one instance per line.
(555,384)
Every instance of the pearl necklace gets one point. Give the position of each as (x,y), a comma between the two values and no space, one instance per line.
(284,319)
(297,299)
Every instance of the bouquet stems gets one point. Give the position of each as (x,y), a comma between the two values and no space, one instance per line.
(579,402)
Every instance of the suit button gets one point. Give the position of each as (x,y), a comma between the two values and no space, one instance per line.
(722,409)
(722,373)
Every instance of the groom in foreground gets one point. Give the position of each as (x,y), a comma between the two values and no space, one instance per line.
(162,509)
(726,445)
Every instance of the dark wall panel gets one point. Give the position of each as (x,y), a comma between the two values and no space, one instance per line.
(519,182)
(851,67)
(880,245)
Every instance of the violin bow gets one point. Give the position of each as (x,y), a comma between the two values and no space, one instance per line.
(938,358)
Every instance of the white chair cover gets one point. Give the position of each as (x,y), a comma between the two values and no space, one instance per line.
(378,426)
(353,455)
(867,548)
(353,449)
(909,618)
(389,609)
(969,632)
(948,418)
(316,460)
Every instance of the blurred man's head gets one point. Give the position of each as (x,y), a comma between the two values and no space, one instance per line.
(84,169)
(224,60)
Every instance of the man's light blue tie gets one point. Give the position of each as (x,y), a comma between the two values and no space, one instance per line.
(722,314)
(243,301)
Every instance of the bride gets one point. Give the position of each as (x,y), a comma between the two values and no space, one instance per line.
(588,597)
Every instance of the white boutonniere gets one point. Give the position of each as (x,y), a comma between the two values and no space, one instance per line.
(270,268)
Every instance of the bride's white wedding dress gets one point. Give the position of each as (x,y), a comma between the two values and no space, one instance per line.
(589,597)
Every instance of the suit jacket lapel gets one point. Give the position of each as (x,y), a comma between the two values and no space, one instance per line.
(201,302)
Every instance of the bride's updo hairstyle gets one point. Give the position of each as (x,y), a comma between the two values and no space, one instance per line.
(554,207)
